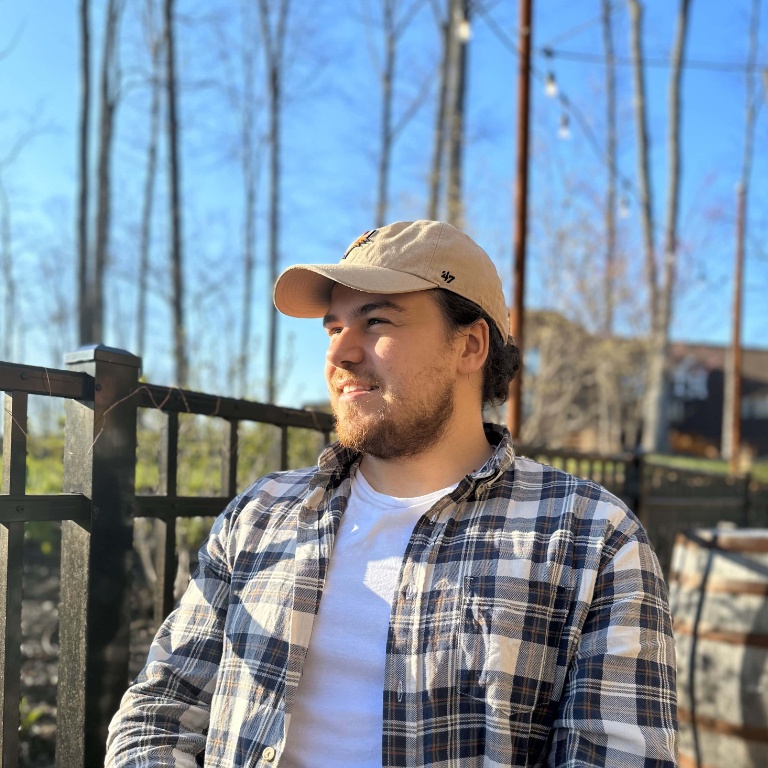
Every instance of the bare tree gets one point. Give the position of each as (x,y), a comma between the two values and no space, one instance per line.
(445,22)
(155,43)
(9,299)
(731,431)
(85,326)
(456,101)
(609,416)
(610,193)
(660,286)
(643,153)
(10,328)
(238,56)
(109,94)
(273,39)
(566,394)
(395,19)
(174,181)
(249,165)
(387,94)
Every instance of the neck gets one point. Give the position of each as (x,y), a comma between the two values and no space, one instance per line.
(459,452)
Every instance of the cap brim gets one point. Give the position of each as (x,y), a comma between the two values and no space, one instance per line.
(305,290)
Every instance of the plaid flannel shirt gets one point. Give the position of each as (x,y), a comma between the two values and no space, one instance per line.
(530,627)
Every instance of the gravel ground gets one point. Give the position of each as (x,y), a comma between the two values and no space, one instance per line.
(40,658)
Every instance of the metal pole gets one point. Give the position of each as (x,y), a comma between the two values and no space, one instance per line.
(515,410)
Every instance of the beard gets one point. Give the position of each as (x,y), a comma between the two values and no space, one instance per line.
(400,426)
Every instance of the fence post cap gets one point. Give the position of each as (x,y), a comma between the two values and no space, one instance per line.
(100,352)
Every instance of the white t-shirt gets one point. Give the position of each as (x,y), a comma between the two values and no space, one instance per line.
(337,715)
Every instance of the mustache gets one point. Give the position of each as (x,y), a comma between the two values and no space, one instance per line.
(366,378)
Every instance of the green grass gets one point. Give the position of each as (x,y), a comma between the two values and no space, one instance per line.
(693,463)
(758,470)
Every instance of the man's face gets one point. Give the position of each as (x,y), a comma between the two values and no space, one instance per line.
(391,371)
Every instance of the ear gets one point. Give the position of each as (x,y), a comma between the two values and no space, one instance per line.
(474,347)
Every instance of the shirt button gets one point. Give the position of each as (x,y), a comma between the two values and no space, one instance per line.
(269,754)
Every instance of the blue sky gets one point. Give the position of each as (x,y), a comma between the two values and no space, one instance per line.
(329,159)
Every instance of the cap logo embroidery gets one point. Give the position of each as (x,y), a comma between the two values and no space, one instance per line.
(447,276)
(364,238)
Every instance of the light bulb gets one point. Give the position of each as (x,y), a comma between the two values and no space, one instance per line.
(550,86)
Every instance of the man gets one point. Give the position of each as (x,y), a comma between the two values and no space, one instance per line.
(423,597)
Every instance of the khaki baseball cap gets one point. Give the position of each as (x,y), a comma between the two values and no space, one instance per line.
(404,257)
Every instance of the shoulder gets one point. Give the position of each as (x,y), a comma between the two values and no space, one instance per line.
(559,493)
(277,486)
(267,501)
(569,517)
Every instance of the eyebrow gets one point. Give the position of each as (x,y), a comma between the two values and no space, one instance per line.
(366,309)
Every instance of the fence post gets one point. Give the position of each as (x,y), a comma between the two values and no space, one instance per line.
(11,565)
(96,562)
(747,495)
(633,484)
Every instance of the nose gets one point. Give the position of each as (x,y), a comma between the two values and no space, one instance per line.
(345,349)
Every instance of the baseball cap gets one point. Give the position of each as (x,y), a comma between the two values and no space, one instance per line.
(403,257)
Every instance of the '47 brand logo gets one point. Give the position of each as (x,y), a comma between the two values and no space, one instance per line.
(447,276)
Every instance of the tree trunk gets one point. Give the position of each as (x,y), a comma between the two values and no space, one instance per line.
(610,196)
(85,329)
(249,166)
(655,436)
(643,153)
(455,213)
(174,180)
(609,410)
(438,149)
(387,94)
(274,221)
(156,45)
(274,46)
(9,303)
(108,104)
(731,431)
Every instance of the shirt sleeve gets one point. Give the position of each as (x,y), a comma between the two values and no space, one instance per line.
(619,705)
(163,717)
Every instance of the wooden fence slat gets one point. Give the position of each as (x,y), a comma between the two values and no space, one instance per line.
(165,525)
(11,543)
(11,549)
(284,447)
(229,469)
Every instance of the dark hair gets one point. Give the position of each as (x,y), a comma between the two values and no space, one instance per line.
(503,359)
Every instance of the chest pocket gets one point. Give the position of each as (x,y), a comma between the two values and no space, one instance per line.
(508,642)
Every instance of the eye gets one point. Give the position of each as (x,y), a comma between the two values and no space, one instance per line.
(332,330)
(376,321)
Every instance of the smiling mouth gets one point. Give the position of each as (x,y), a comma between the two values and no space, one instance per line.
(350,388)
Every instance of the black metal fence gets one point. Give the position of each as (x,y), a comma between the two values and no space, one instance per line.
(103,396)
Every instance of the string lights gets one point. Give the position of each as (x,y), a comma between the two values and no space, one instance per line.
(550,86)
